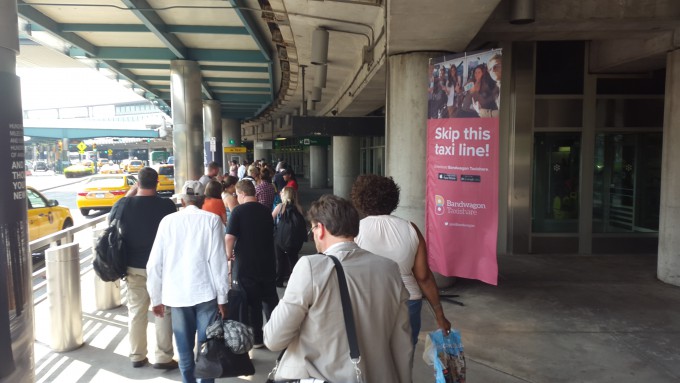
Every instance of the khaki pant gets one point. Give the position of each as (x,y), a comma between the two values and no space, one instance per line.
(138,318)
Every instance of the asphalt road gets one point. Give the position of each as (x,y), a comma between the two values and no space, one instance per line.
(62,189)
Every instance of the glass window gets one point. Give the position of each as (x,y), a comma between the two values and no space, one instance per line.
(559,67)
(555,182)
(627,182)
(36,201)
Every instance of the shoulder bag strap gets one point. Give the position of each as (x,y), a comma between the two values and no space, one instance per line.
(348,313)
(350,328)
(119,211)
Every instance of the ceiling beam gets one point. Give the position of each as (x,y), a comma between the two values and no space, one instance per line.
(129,53)
(51,26)
(123,28)
(211,79)
(156,25)
(220,68)
(251,25)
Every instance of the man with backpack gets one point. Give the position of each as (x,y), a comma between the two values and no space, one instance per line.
(250,247)
(141,216)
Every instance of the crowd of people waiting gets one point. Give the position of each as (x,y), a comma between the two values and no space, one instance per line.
(183,263)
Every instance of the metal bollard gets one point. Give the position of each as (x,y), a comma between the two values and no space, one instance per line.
(63,295)
(106,294)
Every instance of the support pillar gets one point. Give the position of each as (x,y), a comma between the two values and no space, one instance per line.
(16,302)
(212,129)
(405,134)
(263,149)
(668,267)
(187,118)
(345,164)
(231,137)
(318,166)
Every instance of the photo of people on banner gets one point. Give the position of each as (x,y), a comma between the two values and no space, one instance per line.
(463,165)
(468,86)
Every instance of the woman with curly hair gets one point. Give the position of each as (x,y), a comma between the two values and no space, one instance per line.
(376,197)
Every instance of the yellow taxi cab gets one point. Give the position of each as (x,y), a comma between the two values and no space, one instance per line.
(134,166)
(166,179)
(100,192)
(110,168)
(45,216)
(85,168)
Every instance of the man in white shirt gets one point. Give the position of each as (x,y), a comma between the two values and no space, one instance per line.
(242,169)
(187,271)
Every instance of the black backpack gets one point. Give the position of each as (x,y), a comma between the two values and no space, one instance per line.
(110,260)
(291,231)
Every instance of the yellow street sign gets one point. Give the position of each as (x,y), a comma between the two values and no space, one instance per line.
(110,152)
(81,146)
(235,149)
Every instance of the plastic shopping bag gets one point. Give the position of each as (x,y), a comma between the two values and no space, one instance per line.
(446,352)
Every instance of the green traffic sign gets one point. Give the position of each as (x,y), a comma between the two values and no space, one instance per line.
(315,141)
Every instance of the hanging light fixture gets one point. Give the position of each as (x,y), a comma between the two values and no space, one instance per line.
(522,12)
(320,74)
(319,47)
(316,94)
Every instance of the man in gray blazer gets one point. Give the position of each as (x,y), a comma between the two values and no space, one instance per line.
(309,320)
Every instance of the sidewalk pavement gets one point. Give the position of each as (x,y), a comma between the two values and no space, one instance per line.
(552,318)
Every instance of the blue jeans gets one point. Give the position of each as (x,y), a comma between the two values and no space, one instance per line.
(186,322)
(414,307)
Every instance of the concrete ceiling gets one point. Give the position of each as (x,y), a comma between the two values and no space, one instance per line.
(251,51)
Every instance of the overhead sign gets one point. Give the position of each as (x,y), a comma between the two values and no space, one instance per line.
(235,149)
(81,146)
(315,141)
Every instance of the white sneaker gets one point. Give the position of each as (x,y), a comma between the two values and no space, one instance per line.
(258,345)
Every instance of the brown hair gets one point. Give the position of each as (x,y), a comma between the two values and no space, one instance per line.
(213,189)
(375,195)
(247,187)
(337,214)
(229,181)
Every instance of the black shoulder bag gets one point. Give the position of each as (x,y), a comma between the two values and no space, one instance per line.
(110,260)
(350,328)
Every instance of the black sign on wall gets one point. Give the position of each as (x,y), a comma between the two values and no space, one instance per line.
(16,303)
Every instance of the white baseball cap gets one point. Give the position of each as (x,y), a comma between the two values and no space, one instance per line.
(193,188)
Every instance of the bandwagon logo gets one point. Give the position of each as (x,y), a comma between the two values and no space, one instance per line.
(439,205)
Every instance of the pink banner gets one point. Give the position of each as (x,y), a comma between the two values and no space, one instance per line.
(462,168)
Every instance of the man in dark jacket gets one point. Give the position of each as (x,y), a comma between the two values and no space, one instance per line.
(142,214)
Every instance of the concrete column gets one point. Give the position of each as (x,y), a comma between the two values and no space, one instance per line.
(260,153)
(212,128)
(16,302)
(405,134)
(187,118)
(345,164)
(668,268)
(318,167)
(231,137)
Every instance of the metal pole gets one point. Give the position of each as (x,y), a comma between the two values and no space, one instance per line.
(304,101)
(106,294)
(63,295)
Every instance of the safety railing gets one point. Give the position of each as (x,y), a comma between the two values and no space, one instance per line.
(55,239)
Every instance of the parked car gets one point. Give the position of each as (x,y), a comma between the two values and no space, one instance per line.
(100,192)
(85,168)
(134,166)
(40,166)
(45,216)
(166,179)
(110,168)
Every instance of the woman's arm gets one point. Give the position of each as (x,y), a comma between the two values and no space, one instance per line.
(426,282)
(276,211)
